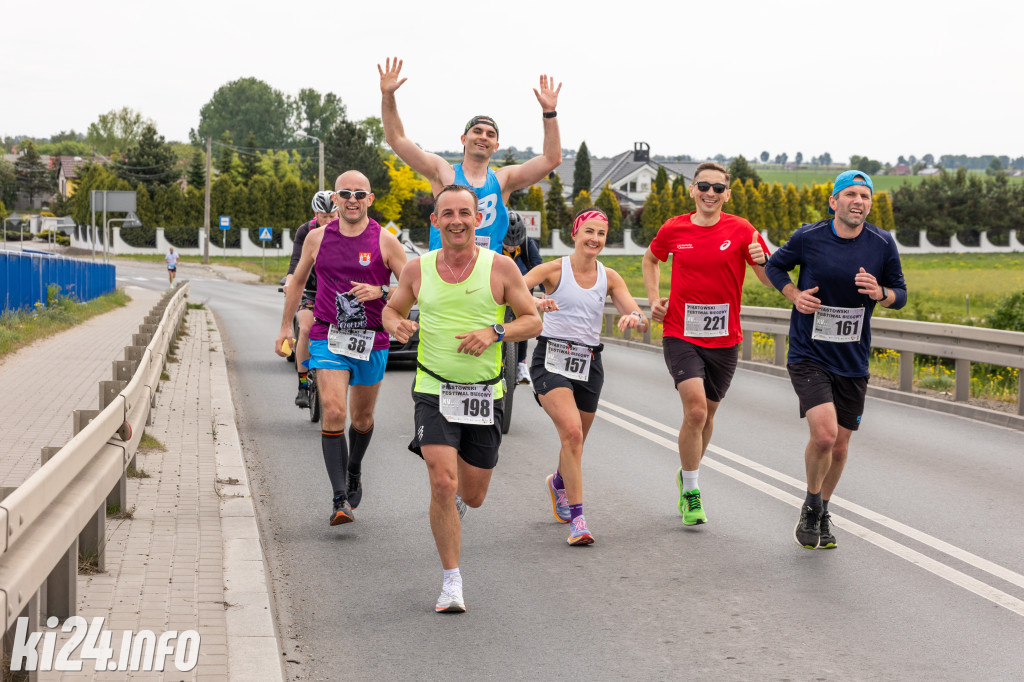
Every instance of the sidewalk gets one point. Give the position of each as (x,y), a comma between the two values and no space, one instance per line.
(190,557)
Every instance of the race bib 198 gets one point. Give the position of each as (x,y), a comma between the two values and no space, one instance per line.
(706,319)
(352,343)
(838,325)
(467,403)
(568,360)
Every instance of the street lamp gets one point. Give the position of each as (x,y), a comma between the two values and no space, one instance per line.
(321,142)
(130,220)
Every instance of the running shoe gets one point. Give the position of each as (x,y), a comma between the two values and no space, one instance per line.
(559,502)
(808,528)
(460,506)
(302,397)
(579,535)
(524,373)
(690,503)
(342,512)
(355,490)
(451,600)
(827,540)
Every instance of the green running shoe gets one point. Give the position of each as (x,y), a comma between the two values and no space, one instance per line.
(808,529)
(689,503)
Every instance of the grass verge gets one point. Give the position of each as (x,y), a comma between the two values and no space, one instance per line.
(20,328)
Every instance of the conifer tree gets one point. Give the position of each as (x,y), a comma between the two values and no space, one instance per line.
(581,178)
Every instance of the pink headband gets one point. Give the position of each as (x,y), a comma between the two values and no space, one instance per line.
(584,217)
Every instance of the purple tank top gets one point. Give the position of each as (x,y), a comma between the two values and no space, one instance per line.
(341,261)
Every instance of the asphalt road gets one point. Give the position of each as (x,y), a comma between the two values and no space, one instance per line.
(926,582)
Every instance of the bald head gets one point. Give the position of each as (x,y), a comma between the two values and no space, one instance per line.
(352,179)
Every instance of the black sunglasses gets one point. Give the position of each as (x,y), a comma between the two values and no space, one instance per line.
(346,194)
(705,186)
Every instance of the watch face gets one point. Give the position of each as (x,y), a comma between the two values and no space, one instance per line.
(499,330)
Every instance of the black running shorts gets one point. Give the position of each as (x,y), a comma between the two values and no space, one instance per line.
(587,393)
(687,360)
(477,445)
(815,385)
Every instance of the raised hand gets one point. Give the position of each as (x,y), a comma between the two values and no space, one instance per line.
(389,75)
(547,95)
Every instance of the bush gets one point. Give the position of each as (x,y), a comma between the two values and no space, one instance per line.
(1009,313)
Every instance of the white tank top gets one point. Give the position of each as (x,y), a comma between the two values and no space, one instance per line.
(580,311)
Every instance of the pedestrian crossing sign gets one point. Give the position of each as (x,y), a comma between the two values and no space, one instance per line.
(266,234)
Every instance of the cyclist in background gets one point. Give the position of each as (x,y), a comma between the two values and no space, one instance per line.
(324,211)
(525,253)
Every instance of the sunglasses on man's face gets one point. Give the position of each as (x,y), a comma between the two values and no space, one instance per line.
(705,186)
(347,194)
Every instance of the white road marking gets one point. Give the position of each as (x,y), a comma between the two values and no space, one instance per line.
(938,568)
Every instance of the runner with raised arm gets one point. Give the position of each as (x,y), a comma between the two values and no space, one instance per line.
(480,142)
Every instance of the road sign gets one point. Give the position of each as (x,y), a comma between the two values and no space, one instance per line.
(266,234)
(225,222)
(532,220)
(391,227)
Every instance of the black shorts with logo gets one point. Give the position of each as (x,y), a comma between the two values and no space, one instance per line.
(476,444)
(686,360)
(586,393)
(815,385)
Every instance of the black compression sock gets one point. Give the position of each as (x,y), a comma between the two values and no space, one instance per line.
(824,504)
(358,441)
(335,459)
(813,500)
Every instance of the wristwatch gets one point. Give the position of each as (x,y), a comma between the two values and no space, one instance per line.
(885,295)
(385,290)
(499,329)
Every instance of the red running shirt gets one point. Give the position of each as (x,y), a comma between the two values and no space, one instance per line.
(708,266)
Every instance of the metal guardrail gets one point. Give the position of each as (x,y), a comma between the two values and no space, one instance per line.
(963,344)
(60,511)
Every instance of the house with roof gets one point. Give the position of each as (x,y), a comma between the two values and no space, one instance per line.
(630,174)
(67,172)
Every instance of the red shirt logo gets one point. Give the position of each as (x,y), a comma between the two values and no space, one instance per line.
(364,258)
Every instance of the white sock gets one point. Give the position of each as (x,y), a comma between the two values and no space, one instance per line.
(690,480)
(453,575)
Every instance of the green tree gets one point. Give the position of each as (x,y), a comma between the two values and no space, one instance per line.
(8,182)
(349,146)
(33,177)
(792,209)
(243,105)
(738,201)
(607,202)
(754,204)
(581,202)
(317,114)
(994,167)
(777,214)
(144,206)
(224,162)
(148,160)
(258,204)
(91,176)
(169,207)
(115,130)
(249,160)
(661,179)
(825,159)
(650,219)
(196,173)
(558,213)
(581,171)
(740,170)
(764,157)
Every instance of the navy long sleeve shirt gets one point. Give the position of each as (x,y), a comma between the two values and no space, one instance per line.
(830,262)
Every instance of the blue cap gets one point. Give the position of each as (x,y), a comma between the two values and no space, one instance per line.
(848,179)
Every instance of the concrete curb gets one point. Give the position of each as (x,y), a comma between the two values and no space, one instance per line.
(253,645)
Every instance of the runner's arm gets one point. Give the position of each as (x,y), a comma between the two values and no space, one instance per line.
(652,283)
(394,317)
(536,169)
(291,299)
(625,303)
(431,166)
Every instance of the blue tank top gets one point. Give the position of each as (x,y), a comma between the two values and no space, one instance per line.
(341,261)
(494,224)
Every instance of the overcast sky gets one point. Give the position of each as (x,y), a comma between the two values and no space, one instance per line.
(699,78)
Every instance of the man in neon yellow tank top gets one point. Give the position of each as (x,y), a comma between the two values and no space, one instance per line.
(462,291)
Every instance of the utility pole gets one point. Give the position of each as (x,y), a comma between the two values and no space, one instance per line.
(206,208)
(321,164)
